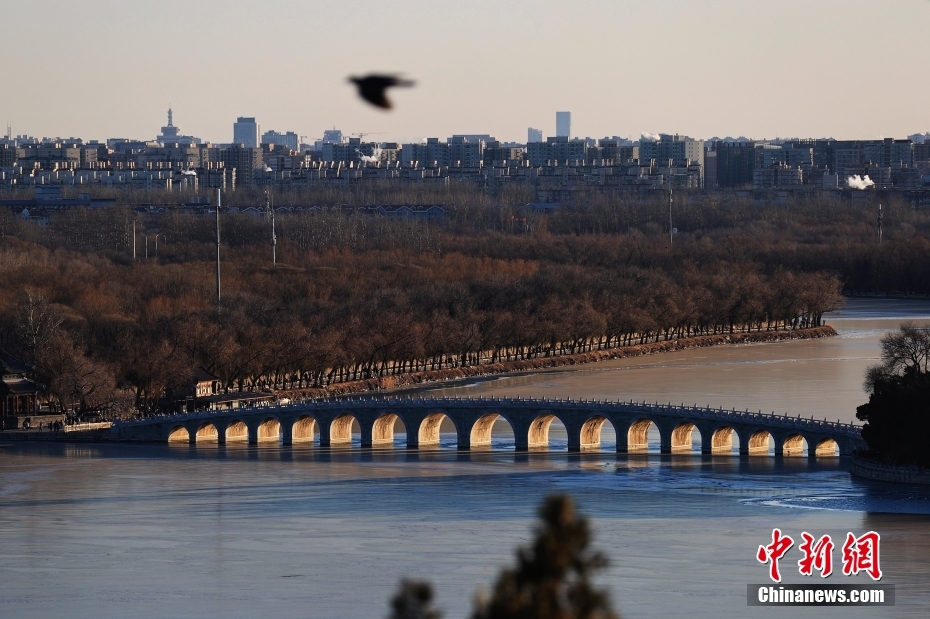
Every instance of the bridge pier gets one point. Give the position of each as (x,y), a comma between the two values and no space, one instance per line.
(253,432)
(574,441)
(287,432)
(324,433)
(367,435)
(413,436)
(706,431)
(666,431)
(462,437)
(521,433)
(623,435)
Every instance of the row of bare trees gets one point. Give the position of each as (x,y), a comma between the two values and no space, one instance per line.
(100,326)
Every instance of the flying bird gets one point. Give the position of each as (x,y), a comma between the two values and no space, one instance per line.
(372,88)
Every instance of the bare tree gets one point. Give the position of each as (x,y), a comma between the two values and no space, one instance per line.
(37,322)
(904,352)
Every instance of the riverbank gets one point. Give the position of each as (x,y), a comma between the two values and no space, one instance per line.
(414,379)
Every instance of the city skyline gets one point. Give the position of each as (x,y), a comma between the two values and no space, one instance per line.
(247,126)
(701,69)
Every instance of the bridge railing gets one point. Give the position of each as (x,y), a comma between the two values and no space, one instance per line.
(645,408)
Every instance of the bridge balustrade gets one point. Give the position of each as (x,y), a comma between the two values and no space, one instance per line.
(529,419)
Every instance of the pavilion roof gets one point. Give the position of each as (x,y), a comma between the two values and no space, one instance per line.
(19,386)
(10,365)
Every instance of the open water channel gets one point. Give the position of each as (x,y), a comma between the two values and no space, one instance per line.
(101,531)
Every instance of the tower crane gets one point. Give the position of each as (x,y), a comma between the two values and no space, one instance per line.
(361,136)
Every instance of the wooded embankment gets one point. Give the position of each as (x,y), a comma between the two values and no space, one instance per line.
(413,379)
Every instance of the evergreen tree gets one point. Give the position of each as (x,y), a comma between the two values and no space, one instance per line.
(551,578)
(413,600)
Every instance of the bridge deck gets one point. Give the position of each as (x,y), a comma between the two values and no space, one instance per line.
(529,418)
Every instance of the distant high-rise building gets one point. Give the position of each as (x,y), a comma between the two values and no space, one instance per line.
(289,140)
(533,135)
(563,124)
(243,159)
(172,135)
(735,164)
(170,132)
(330,136)
(676,147)
(245,132)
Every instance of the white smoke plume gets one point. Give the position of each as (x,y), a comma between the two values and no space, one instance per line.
(859,182)
(374,157)
(268,169)
(649,137)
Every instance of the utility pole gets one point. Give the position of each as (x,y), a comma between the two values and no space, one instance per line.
(671,230)
(269,207)
(879,224)
(218,295)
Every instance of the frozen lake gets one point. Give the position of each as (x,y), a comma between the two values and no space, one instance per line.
(266,531)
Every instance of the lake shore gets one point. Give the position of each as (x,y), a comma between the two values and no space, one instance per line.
(873,469)
(414,379)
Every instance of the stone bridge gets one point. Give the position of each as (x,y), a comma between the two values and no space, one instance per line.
(332,421)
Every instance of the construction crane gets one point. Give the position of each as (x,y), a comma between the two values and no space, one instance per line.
(361,136)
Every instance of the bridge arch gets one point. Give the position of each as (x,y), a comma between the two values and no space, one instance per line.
(721,440)
(827,447)
(430,428)
(269,430)
(794,445)
(384,428)
(683,436)
(237,431)
(759,443)
(206,432)
(537,433)
(340,430)
(304,429)
(590,439)
(483,428)
(179,434)
(638,434)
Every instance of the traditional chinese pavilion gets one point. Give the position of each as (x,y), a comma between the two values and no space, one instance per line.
(203,392)
(18,392)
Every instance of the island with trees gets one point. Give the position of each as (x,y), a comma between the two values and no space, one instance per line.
(897,414)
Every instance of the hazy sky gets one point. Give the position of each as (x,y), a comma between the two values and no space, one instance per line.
(760,68)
